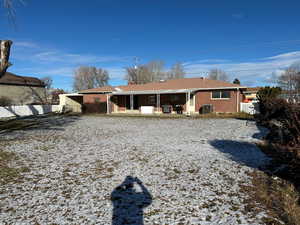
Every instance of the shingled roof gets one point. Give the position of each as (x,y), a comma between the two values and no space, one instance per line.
(184,83)
(176,84)
(104,89)
(13,79)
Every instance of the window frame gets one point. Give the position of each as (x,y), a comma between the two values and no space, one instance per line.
(220,95)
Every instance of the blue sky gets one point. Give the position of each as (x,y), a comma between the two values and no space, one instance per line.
(248,39)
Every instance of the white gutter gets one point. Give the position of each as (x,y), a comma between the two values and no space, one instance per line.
(74,94)
(172,91)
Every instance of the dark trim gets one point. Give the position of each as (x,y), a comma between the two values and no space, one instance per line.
(26,85)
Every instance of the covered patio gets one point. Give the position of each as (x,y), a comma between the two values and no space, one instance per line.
(149,102)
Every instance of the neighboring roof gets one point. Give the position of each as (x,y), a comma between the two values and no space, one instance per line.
(104,89)
(252,89)
(12,79)
(168,86)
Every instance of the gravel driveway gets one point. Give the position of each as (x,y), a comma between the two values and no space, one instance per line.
(109,170)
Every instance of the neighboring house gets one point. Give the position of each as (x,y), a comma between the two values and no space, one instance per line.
(187,95)
(21,90)
(291,96)
(251,94)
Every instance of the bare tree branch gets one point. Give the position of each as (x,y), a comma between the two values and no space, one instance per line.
(150,72)
(89,77)
(217,74)
(177,71)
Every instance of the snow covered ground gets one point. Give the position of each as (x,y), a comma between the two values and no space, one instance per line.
(109,170)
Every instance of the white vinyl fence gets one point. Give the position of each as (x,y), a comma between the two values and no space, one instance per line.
(251,107)
(28,110)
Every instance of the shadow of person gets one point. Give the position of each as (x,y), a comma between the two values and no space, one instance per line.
(128,202)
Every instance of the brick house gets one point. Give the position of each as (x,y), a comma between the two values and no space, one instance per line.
(186,95)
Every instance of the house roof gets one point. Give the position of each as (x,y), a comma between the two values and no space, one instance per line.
(168,86)
(13,79)
(252,89)
(98,90)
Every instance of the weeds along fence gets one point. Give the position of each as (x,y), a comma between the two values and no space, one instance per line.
(28,110)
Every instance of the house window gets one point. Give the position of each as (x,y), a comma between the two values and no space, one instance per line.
(220,94)
(151,99)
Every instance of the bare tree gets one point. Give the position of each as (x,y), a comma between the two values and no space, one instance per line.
(177,71)
(48,86)
(5,46)
(289,81)
(217,74)
(138,75)
(9,6)
(142,74)
(48,82)
(89,77)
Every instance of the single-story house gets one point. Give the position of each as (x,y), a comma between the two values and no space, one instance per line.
(21,90)
(186,95)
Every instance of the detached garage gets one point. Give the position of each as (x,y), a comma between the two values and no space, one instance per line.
(96,100)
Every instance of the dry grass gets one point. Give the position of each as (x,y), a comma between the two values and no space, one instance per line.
(275,190)
(7,173)
(277,196)
(178,116)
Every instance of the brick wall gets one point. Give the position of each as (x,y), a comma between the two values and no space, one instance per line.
(219,105)
(95,103)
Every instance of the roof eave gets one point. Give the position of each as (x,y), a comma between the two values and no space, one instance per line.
(171,91)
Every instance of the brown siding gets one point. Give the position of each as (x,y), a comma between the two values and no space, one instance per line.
(222,105)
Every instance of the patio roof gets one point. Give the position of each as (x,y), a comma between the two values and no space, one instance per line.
(177,91)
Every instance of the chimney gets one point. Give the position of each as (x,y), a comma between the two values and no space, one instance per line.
(4,56)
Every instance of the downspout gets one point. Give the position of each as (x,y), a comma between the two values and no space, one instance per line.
(237,100)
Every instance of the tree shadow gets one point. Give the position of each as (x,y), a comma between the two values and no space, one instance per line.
(242,152)
(262,132)
(38,122)
(128,203)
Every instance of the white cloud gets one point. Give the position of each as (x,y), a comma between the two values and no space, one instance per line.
(238,15)
(25,44)
(62,57)
(255,72)
(43,61)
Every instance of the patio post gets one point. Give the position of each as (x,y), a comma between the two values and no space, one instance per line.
(107,104)
(157,102)
(131,102)
(187,106)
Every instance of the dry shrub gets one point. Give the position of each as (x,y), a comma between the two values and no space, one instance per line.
(5,101)
(275,195)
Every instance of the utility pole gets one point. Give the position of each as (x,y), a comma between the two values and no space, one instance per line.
(136,61)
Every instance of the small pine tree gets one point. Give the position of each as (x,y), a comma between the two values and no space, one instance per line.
(236,81)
